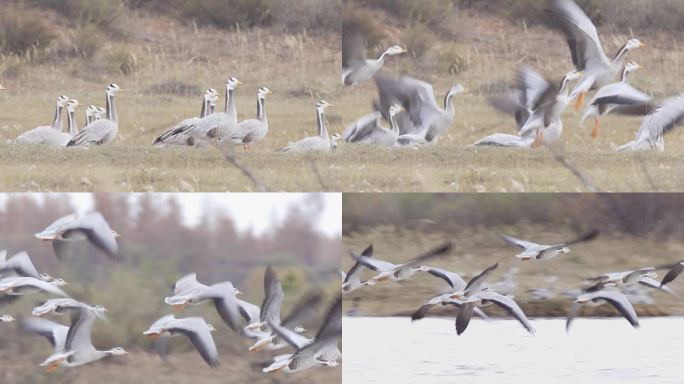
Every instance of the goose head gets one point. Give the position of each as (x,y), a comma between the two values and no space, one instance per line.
(45,277)
(6,319)
(90,111)
(262,92)
(322,105)
(394,109)
(113,89)
(456,89)
(565,250)
(100,113)
(634,44)
(62,101)
(395,50)
(232,83)
(237,291)
(58,282)
(71,105)
(632,66)
(211,328)
(117,351)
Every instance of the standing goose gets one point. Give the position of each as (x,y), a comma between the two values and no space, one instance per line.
(78,347)
(585,46)
(71,118)
(424,120)
(656,125)
(47,135)
(102,131)
(252,130)
(356,67)
(373,133)
(219,124)
(177,135)
(195,328)
(321,142)
(71,228)
(620,97)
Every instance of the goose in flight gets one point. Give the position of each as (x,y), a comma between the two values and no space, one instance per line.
(455,283)
(616,299)
(423,119)
(322,350)
(674,270)
(475,285)
(252,130)
(21,265)
(643,276)
(218,124)
(64,306)
(47,135)
(55,333)
(544,252)
(320,142)
(656,125)
(78,348)
(178,134)
(195,328)
(222,295)
(537,106)
(356,67)
(396,272)
(6,319)
(102,131)
(72,228)
(586,49)
(352,279)
(19,285)
(368,130)
(487,296)
(620,97)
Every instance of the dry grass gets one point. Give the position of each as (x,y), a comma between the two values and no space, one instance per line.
(478,248)
(488,52)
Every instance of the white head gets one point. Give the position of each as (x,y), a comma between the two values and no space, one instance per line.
(72,104)
(211,94)
(232,83)
(456,89)
(651,274)
(62,101)
(299,329)
(262,92)
(237,291)
(117,351)
(91,110)
(565,250)
(100,113)
(632,66)
(6,319)
(330,363)
(45,277)
(322,105)
(112,89)
(211,327)
(573,75)
(395,50)
(634,44)
(394,109)
(58,282)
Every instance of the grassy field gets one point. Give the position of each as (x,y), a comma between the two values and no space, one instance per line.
(300,68)
(479,248)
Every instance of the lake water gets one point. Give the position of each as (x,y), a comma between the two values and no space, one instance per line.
(396,351)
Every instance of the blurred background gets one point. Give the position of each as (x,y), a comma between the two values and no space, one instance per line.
(165,236)
(636,231)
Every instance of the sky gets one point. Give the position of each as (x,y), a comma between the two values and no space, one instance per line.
(250,211)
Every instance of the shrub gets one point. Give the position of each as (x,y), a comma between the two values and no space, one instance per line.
(87,41)
(418,40)
(358,21)
(107,15)
(175,88)
(121,59)
(22,32)
(310,15)
(226,13)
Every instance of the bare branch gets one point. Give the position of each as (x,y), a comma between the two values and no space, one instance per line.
(229,154)
(575,171)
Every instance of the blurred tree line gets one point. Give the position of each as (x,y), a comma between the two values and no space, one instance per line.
(657,215)
(158,248)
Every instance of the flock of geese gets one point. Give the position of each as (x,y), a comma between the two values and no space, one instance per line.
(469,297)
(221,128)
(536,103)
(72,345)
(410,106)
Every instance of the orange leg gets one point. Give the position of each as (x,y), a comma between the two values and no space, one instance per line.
(595,131)
(539,140)
(580,102)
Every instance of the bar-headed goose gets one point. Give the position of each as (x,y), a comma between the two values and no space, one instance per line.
(320,142)
(73,228)
(586,49)
(356,67)
(218,124)
(368,130)
(102,131)
(178,134)
(534,251)
(195,328)
(47,135)
(602,296)
(252,130)
(651,135)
